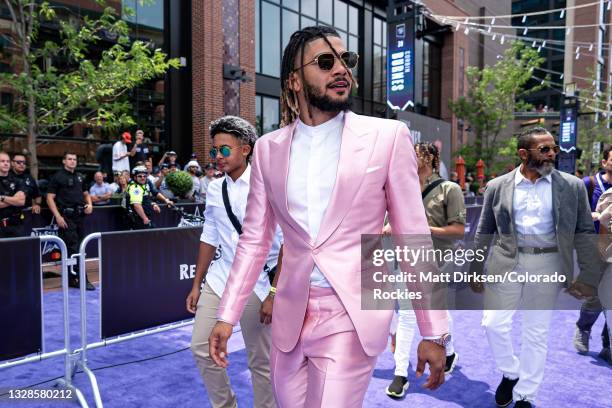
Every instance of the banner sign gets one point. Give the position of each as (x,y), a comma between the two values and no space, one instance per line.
(102,219)
(145,278)
(20,298)
(567,139)
(400,64)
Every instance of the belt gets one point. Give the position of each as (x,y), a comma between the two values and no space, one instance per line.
(537,251)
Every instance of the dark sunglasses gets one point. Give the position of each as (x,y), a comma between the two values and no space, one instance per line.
(141,175)
(19,161)
(546,149)
(326,60)
(225,151)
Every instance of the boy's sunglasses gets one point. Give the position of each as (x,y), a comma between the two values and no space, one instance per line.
(546,149)
(326,60)
(225,151)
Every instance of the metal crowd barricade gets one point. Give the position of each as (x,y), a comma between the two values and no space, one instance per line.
(82,359)
(66,381)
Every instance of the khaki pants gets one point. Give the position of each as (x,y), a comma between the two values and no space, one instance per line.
(257,341)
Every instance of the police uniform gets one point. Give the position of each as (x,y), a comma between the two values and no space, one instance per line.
(140,194)
(11,218)
(68,189)
(30,187)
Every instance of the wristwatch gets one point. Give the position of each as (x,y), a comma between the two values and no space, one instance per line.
(442,340)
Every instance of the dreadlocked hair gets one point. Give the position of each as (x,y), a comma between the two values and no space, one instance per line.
(430,150)
(289,101)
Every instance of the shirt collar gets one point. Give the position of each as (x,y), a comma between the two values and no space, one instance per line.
(519,178)
(333,124)
(244,177)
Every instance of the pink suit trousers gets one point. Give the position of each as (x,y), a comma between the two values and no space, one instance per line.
(328,367)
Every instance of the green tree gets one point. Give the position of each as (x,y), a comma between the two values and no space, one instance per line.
(58,84)
(493,95)
(593,123)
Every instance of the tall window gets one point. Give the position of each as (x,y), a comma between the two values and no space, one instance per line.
(276,20)
(267,111)
(379,60)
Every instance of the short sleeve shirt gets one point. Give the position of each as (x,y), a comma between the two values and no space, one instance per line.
(444,205)
(68,188)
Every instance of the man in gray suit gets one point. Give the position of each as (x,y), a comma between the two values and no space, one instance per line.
(538,216)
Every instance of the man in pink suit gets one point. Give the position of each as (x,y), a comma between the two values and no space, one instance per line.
(327,177)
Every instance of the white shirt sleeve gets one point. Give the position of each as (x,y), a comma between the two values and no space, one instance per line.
(117,151)
(210,233)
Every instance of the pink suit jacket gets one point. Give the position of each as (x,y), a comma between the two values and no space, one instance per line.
(377,173)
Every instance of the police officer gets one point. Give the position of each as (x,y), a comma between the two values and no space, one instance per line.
(33,198)
(140,200)
(69,201)
(12,197)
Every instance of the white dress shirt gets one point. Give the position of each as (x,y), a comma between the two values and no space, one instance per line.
(313,164)
(219,232)
(533,211)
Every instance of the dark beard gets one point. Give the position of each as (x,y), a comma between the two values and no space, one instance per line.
(324,103)
(543,167)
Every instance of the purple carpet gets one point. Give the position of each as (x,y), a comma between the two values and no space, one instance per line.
(571,380)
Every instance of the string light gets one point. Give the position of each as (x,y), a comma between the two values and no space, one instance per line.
(524,18)
(525,31)
(591,47)
(494,37)
(466,31)
(609,5)
(562,13)
(533,44)
(568,30)
(503,37)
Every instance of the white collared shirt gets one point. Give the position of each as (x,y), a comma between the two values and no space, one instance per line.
(313,164)
(533,211)
(219,232)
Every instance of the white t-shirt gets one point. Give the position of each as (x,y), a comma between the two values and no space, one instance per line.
(119,150)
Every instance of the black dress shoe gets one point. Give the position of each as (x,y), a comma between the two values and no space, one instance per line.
(503,394)
(523,404)
(89,285)
(73,282)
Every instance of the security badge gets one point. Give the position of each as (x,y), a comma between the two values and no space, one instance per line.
(136,191)
(12,186)
(27,181)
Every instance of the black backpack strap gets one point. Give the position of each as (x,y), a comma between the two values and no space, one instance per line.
(228,208)
(430,187)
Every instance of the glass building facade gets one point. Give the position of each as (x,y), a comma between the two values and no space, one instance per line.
(363,28)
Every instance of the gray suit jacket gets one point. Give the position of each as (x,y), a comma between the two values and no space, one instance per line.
(573,225)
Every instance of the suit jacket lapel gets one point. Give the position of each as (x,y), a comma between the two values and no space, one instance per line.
(280,152)
(355,152)
(507,198)
(557,188)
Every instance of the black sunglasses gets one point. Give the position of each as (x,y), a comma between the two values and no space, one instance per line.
(19,161)
(546,149)
(326,60)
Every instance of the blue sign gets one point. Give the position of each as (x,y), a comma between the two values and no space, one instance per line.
(567,130)
(400,65)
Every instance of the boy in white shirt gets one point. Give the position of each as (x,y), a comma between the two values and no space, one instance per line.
(233,139)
